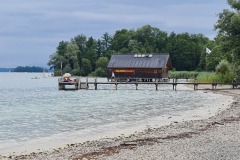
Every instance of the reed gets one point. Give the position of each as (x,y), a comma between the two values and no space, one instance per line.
(183,74)
(202,76)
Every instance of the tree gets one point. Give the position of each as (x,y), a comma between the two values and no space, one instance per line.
(106,43)
(28,69)
(102,62)
(229,32)
(187,51)
(86,67)
(91,52)
(99,48)
(223,67)
(121,39)
(101,65)
(72,52)
(80,41)
(153,40)
(59,59)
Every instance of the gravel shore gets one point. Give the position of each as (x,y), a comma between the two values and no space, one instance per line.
(213,138)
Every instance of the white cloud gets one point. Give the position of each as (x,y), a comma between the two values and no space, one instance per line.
(35,27)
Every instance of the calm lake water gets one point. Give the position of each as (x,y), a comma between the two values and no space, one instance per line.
(35,108)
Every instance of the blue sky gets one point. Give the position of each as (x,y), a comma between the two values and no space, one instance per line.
(31,30)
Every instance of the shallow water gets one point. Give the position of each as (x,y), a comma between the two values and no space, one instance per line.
(35,108)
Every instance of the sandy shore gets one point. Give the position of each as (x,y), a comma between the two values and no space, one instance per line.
(214,138)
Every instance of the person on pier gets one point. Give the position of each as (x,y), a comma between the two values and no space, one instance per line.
(113,77)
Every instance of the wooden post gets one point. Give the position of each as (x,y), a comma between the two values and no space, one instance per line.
(136,85)
(156,86)
(95,84)
(214,85)
(87,83)
(234,84)
(195,84)
(173,83)
(79,83)
(116,83)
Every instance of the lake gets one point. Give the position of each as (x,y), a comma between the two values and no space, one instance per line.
(34,109)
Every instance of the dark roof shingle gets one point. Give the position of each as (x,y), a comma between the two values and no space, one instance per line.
(135,61)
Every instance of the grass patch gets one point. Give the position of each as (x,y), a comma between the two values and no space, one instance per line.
(183,74)
(202,76)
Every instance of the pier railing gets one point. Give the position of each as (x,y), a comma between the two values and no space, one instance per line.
(80,84)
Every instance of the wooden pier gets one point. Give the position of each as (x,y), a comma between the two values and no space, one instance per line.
(62,84)
(78,84)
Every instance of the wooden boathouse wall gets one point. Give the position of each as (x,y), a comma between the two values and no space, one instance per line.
(139,66)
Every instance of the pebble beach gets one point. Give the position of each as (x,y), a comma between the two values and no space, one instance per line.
(216,137)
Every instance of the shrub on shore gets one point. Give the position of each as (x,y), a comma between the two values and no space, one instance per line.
(203,76)
(183,74)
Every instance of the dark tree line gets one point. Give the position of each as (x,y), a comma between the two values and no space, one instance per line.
(28,69)
(84,55)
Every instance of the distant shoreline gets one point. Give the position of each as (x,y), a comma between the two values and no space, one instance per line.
(6,69)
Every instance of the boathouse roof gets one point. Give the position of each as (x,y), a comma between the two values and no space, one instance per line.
(139,61)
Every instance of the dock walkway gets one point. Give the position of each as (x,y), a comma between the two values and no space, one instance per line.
(174,83)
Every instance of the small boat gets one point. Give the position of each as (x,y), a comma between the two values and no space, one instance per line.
(45,75)
(35,77)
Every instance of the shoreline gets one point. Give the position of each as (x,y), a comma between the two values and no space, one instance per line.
(107,147)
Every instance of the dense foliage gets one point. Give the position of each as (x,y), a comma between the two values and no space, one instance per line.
(29,69)
(228,38)
(183,74)
(82,55)
(6,69)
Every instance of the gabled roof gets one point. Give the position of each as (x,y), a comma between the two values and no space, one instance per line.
(138,61)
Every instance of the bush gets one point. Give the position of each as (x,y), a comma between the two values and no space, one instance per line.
(213,77)
(99,72)
(75,72)
(57,73)
(237,72)
(183,74)
(223,67)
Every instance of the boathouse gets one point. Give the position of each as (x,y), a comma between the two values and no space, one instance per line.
(139,66)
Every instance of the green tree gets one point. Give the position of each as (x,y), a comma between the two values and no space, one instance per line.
(86,67)
(135,46)
(102,62)
(101,65)
(185,50)
(210,44)
(72,52)
(91,52)
(121,40)
(99,48)
(214,58)
(153,40)
(223,67)
(58,60)
(106,43)
(229,32)
(80,41)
